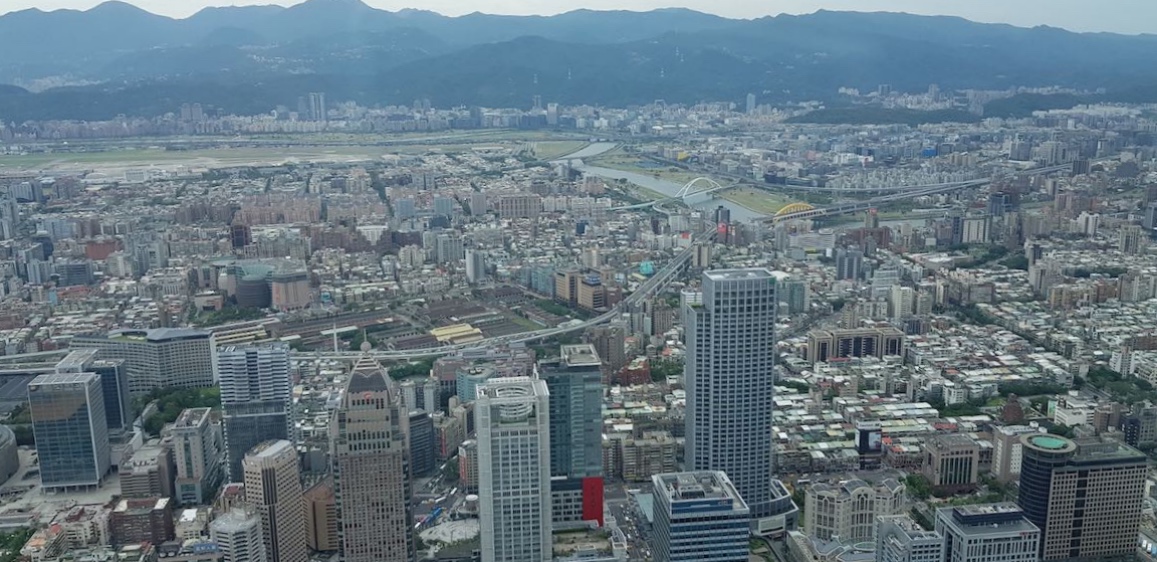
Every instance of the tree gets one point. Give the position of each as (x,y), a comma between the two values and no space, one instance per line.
(918,486)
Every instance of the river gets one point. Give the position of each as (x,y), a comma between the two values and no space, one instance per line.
(669,188)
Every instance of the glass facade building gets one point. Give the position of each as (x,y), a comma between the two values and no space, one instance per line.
(256,393)
(729,377)
(69,422)
(113,380)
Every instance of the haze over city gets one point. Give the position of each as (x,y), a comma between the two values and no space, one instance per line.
(1118,16)
(332,283)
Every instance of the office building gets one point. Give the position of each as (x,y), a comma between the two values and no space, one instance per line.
(273,487)
(848,511)
(475,266)
(321,526)
(70,426)
(1084,495)
(468,465)
(1132,240)
(849,264)
(161,358)
(1007,451)
(990,532)
(197,447)
(900,539)
(1149,220)
(149,472)
(699,517)
(238,533)
(256,394)
(371,469)
(513,425)
(141,520)
(952,462)
(825,345)
(421,439)
(467,379)
(655,452)
(113,381)
(576,396)
(729,372)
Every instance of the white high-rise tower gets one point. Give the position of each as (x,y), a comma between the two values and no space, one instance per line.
(513,424)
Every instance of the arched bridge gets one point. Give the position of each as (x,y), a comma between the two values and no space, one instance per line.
(697,186)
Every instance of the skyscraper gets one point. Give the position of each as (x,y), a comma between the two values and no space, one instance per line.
(576,444)
(730,338)
(113,381)
(256,394)
(513,424)
(699,516)
(371,469)
(71,430)
(576,411)
(273,487)
(1085,495)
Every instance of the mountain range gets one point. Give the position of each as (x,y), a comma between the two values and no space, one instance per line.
(118,59)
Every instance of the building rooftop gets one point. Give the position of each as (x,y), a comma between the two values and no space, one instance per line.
(76,361)
(270,448)
(983,519)
(61,378)
(159,334)
(740,274)
(580,355)
(143,505)
(910,526)
(697,486)
(367,376)
(192,417)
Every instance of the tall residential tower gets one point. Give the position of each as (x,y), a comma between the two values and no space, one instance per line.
(729,377)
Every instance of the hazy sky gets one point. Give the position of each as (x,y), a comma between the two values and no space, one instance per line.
(1123,16)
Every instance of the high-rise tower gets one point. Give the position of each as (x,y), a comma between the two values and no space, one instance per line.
(273,487)
(371,469)
(730,338)
(256,387)
(513,423)
(71,430)
(1085,495)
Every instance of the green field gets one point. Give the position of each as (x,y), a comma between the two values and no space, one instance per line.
(548,150)
(757,200)
(628,163)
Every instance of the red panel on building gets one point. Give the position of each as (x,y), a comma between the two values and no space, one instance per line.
(593,499)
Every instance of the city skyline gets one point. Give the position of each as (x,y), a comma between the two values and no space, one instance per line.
(1131,17)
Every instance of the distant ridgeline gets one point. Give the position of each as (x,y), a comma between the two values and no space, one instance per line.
(250,60)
